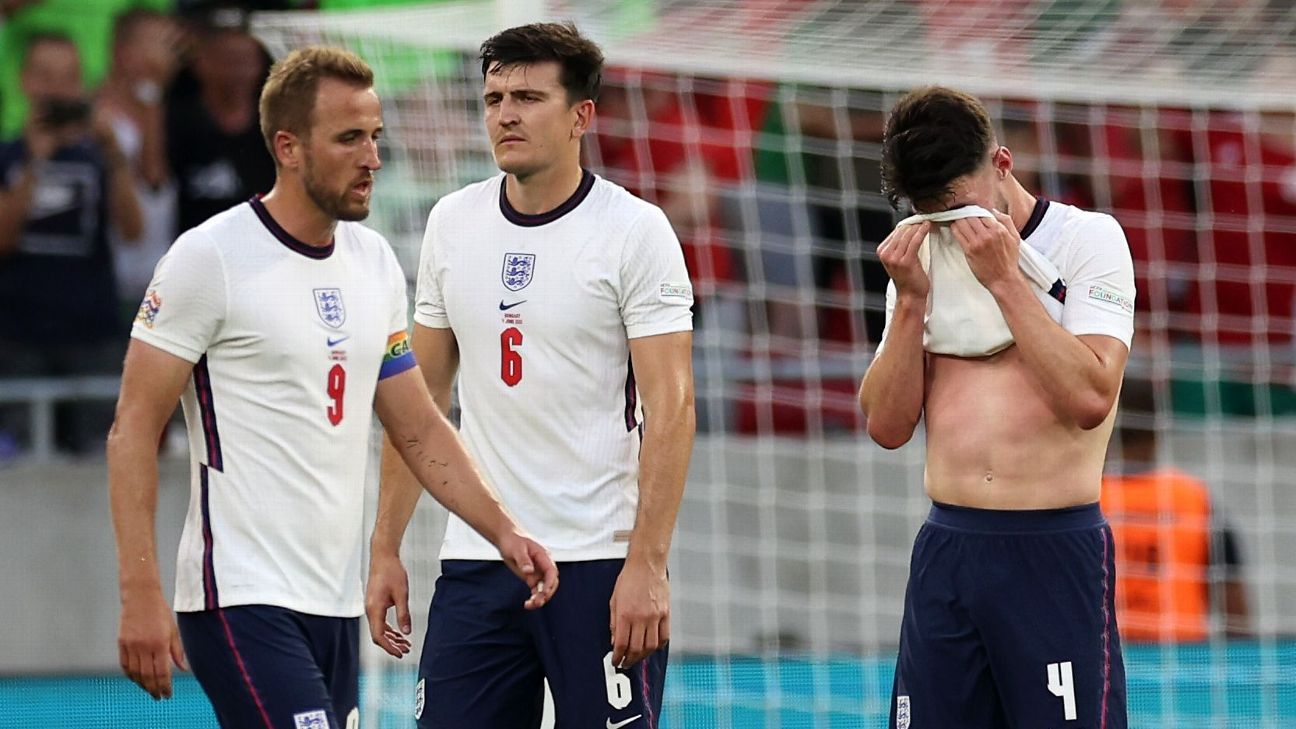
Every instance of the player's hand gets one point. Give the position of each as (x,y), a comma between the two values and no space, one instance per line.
(640,612)
(148,641)
(532,563)
(991,248)
(899,256)
(388,587)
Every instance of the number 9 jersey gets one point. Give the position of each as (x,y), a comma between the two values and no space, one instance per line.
(288,343)
(543,308)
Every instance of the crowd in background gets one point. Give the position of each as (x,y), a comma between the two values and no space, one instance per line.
(140,116)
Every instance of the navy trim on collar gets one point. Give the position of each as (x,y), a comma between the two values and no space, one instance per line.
(310,251)
(530,221)
(1037,216)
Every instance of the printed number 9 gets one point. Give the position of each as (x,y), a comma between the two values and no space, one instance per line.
(336,389)
(510,361)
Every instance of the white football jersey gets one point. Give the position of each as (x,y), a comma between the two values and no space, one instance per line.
(543,308)
(288,343)
(1095,294)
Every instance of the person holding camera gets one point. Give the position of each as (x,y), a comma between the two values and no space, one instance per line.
(61,185)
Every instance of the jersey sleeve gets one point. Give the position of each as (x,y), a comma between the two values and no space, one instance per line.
(397,356)
(1100,282)
(186,300)
(656,296)
(429,302)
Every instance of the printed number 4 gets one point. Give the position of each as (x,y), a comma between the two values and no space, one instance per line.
(618,684)
(510,359)
(336,389)
(1061,686)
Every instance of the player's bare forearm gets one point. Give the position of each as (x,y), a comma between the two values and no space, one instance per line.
(437,352)
(398,494)
(432,450)
(663,367)
(151,384)
(132,494)
(663,469)
(891,394)
(1081,375)
(152,380)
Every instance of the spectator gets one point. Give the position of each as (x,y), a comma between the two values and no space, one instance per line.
(63,181)
(146,55)
(87,23)
(217,155)
(1176,560)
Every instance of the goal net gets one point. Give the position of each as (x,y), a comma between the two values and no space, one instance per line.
(756,125)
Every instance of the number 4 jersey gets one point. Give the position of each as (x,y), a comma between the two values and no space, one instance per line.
(288,343)
(543,308)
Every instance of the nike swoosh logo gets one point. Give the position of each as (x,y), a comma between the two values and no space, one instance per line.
(504,307)
(620,724)
(335,342)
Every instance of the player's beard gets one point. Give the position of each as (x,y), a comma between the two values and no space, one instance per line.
(335,205)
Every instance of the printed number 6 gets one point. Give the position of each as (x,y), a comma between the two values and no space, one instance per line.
(618,684)
(510,360)
(336,389)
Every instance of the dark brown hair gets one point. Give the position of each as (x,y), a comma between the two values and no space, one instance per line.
(580,58)
(288,97)
(933,136)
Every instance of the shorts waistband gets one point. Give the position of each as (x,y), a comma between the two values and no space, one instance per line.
(966,518)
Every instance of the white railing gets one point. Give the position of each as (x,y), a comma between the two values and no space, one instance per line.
(41,394)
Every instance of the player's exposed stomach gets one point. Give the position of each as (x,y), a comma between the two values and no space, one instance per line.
(993,442)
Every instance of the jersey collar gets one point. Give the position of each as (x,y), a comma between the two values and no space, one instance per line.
(1037,217)
(310,251)
(530,221)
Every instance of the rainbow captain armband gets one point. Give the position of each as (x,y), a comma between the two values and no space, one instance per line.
(398,356)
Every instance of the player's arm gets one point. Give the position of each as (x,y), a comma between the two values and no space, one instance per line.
(148,638)
(891,394)
(427,443)
(663,368)
(437,353)
(1081,375)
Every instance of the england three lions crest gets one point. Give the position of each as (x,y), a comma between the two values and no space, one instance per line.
(518,269)
(328,302)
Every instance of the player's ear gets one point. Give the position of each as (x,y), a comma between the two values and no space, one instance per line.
(584,118)
(287,149)
(1002,161)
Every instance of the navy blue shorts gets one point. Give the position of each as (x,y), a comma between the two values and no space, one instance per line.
(1009,621)
(486,657)
(266,667)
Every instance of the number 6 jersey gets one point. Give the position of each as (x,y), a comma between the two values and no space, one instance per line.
(288,342)
(543,308)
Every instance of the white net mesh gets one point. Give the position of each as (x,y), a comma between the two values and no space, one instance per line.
(756,124)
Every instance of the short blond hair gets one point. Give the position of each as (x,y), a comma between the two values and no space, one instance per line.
(288,97)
